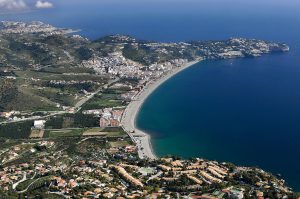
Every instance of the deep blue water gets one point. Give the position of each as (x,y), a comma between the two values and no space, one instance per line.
(246,111)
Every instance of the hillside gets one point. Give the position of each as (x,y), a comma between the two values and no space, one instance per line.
(45,68)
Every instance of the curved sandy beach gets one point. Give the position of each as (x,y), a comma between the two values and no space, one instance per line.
(142,139)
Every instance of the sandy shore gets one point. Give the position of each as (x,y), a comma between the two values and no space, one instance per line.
(142,139)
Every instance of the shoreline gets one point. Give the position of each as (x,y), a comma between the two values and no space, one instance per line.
(128,121)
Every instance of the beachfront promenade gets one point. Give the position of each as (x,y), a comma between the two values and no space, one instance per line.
(142,139)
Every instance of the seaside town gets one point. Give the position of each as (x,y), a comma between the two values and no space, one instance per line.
(12,27)
(67,119)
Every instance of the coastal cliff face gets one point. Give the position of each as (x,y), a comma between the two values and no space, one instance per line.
(70,85)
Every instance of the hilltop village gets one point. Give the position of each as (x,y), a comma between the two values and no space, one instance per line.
(65,103)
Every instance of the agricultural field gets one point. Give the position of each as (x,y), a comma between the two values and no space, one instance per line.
(104,100)
(55,133)
(108,131)
(37,133)
(78,132)
(77,120)
(120,143)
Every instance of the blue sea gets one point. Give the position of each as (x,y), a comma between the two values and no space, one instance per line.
(246,111)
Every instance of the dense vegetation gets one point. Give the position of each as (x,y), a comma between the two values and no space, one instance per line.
(8,92)
(16,130)
(77,120)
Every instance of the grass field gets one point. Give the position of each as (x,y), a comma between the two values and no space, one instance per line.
(94,132)
(119,143)
(55,133)
(36,133)
(75,132)
(108,131)
(103,101)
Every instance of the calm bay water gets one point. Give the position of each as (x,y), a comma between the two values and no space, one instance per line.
(246,111)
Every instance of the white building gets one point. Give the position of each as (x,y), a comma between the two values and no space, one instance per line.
(39,124)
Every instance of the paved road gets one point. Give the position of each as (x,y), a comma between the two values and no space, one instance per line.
(23,191)
(36,117)
(155,176)
(22,180)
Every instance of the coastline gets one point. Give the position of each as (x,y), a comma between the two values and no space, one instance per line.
(128,122)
